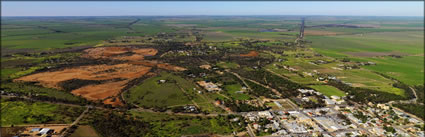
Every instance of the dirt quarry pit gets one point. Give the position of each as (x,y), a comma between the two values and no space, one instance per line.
(110,79)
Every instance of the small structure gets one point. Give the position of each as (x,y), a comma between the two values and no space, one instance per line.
(265,114)
(329,102)
(45,131)
(209,86)
(162,81)
(205,66)
(35,130)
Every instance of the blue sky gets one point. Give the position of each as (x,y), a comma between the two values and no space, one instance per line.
(115,8)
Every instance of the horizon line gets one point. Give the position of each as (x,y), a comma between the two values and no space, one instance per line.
(207,15)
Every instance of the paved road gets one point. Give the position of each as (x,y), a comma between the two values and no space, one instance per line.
(250,132)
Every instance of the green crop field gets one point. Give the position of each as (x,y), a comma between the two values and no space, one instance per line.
(228,65)
(84,131)
(152,93)
(21,112)
(231,89)
(328,90)
(184,125)
(408,69)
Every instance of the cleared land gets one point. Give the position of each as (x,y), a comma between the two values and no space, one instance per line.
(232,90)
(95,72)
(84,131)
(250,54)
(108,80)
(328,90)
(153,93)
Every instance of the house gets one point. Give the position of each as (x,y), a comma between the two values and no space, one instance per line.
(256,126)
(35,130)
(335,97)
(162,81)
(209,86)
(329,102)
(45,131)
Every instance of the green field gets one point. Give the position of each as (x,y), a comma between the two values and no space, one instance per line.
(22,112)
(228,65)
(26,88)
(152,93)
(231,89)
(84,131)
(408,69)
(49,33)
(185,125)
(328,90)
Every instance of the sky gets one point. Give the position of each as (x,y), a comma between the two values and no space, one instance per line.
(146,8)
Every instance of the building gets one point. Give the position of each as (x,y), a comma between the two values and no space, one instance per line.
(209,86)
(45,131)
(328,123)
(293,127)
(265,114)
(329,102)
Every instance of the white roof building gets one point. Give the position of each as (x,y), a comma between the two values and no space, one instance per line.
(266,114)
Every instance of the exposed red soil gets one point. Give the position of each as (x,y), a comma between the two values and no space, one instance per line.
(113,101)
(114,52)
(97,72)
(250,54)
(135,68)
(170,67)
(101,91)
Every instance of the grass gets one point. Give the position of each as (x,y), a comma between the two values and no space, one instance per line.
(231,89)
(25,88)
(408,69)
(84,131)
(173,125)
(44,34)
(151,93)
(228,65)
(21,112)
(6,72)
(328,90)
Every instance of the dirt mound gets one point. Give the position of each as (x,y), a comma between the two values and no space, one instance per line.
(250,54)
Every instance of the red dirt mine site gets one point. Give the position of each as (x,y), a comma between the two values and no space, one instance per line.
(116,76)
